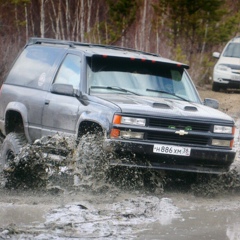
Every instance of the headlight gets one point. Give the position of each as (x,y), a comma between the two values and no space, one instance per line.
(129,120)
(222,143)
(223,129)
(223,68)
(133,121)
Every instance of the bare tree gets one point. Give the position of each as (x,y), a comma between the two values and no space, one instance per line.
(89,6)
(26,20)
(143,26)
(42,18)
(55,19)
(67,19)
(82,15)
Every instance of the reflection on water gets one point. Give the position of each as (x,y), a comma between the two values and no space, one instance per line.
(22,214)
(198,223)
(233,231)
(130,217)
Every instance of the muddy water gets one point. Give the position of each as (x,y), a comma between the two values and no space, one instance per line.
(96,210)
(22,214)
(198,225)
(201,219)
(119,215)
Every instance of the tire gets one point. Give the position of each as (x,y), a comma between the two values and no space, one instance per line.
(92,161)
(11,147)
(216,87)
(90,147)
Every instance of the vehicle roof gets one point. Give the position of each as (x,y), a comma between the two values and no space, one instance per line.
(236,39)
(90,49)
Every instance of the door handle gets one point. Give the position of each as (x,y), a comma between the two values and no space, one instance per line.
(47,101)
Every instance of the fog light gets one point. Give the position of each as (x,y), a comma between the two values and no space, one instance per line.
(115,133)
(221,143)
(128,134)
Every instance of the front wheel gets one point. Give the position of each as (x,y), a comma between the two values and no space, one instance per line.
(215,87)
(92,162)
(11,147)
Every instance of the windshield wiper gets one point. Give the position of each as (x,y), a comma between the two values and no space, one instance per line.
(115,89)
(169,93)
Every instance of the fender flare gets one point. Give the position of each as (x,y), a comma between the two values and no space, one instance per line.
(22,110)
(95,117)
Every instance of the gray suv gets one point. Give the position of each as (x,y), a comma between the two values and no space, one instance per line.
(141,103)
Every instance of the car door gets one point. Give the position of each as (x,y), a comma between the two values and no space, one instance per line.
(61,112)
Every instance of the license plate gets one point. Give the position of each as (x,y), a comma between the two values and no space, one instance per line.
(235,77)
(171,150)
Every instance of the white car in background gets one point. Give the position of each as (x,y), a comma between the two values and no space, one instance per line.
(226,72)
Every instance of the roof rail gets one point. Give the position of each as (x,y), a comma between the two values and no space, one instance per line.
(49,40)
(36,40)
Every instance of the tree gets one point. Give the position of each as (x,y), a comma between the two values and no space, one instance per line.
(121,14)
(179,29)
(190,22)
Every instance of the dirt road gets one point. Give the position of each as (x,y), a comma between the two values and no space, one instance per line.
(183,208)
(229,101)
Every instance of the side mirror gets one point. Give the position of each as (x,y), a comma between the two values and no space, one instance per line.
(211,103)
(216,55)
(63,89)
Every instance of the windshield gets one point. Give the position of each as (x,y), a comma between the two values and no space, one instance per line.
(232,50)
(114,75)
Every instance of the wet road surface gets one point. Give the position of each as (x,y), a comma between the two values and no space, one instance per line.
(119,215)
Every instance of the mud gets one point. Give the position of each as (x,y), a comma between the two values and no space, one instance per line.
(43,196)
(79,199)
(117,214)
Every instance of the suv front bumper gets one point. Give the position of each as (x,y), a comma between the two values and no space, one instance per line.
(227,83)
(201,159)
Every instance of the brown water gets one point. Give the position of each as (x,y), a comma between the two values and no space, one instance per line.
(119,215)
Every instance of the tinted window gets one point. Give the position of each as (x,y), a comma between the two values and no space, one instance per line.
(69,72)
(34,67)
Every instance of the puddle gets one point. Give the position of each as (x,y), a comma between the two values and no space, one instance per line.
(22,214)
(132,216)
(117,220)
(198,224)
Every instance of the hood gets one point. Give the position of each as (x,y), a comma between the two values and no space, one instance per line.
(153,106)
(229,60)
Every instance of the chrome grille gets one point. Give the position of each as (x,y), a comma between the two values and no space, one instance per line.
(168,123)
(172,137)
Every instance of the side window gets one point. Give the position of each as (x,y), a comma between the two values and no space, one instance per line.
(34,67)
(69,72)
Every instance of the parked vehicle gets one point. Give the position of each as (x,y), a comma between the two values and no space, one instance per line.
(226,72)
(142,104)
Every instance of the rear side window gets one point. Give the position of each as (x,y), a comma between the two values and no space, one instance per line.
(34,67)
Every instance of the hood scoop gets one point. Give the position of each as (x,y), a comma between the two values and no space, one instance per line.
(190,108)
(161,105)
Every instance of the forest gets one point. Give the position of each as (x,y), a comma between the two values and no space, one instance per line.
(183,30)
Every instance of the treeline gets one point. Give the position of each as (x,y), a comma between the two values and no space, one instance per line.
(184,30)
